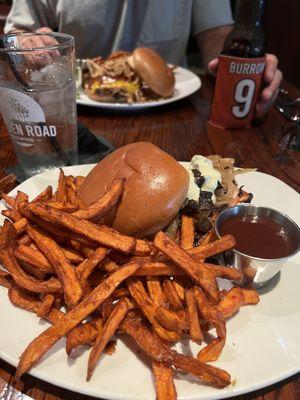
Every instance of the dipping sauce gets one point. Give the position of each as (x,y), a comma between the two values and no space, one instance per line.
(258,237)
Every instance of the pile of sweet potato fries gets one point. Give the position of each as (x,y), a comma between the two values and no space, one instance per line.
(92,283)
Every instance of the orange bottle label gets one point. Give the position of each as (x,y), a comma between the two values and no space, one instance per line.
(237,88)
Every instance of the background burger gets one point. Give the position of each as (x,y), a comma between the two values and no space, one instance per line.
(129,77)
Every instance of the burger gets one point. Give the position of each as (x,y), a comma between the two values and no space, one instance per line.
(158,189)
(124,77)
(156,186)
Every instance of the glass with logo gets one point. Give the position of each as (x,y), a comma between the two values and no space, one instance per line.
(38,98)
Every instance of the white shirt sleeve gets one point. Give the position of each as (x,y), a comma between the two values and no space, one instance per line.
(31,15)
(208,14)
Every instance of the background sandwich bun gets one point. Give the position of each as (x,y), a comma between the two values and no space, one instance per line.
(153,70)
(155,188)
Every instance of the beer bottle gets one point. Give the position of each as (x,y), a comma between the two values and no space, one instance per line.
(241,67)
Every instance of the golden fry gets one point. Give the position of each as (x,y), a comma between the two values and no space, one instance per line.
(109,329)
(41,344)
(164,383)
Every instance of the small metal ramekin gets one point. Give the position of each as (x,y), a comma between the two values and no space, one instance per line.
(257,270)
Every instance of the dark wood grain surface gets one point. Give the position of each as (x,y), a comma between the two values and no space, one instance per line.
(180,129)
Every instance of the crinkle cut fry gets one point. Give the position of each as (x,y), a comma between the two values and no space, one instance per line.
(159,351)
(41,344)
(195,269)
(97,233)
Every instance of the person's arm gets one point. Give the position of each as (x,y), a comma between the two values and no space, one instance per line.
(211,42)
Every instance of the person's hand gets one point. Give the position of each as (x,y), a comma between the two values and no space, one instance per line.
(272,79)
(38,57)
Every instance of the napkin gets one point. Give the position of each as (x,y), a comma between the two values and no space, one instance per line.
(91,149)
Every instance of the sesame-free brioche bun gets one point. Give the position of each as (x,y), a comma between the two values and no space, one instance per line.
(155,188)
(153,70)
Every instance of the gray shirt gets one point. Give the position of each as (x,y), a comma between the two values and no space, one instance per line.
(102,26)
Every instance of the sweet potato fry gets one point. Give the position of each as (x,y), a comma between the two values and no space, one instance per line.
(22,279)
(155,291)
(211,314)
(65,207)
(159,269)
(6,279)
(231,302)
(40,345)
(25,240)
(60,194)
(32,270)
(45,195)
(45,305)
(142,248)
(164,383)
(23,299)
(220,271)
(9,200)
(159,351)
(71,189)
(20,225)
(187,232)
(83,334)
(140,296)
(179,287)
(66,273)
(193,317)
(109,329)
(100,234)
(181,258)
(226,242)
(171,320)
(54,315)
(250,296)
(79,181)
(171,295)
(84,270)
(12,214)
(34,257)
(7,233)
(102,206)
(21,196)
(73,256)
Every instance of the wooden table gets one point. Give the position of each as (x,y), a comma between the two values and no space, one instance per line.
(181,130)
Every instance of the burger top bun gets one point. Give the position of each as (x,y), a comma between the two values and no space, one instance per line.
(155,188)
(153,70)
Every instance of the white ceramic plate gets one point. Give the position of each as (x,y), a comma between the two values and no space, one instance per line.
(262,345)
(186,83)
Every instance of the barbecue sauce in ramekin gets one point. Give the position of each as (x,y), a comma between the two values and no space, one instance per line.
(258,237)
